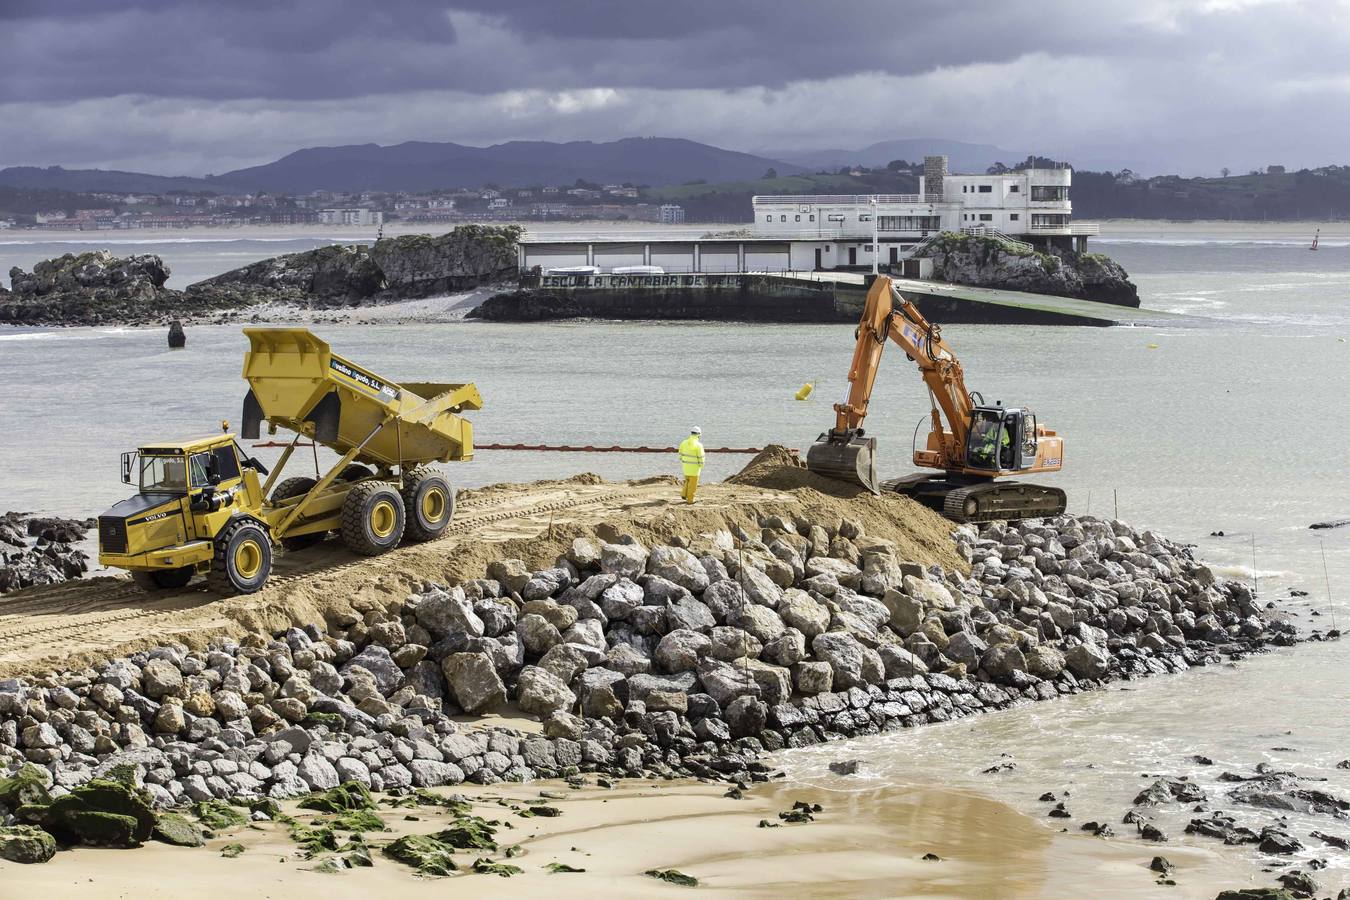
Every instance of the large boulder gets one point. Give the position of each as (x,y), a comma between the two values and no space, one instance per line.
(679,566)
(853,664)
(541,693)
(26,844)
(447,612)
(474,683)
(803,612)
(681,650)
(1087,660)
(1045,661)
(1000,661)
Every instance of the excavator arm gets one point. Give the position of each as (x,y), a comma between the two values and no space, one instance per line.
(845,451)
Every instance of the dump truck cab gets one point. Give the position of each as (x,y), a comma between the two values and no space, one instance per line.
(187,492)
(202,508)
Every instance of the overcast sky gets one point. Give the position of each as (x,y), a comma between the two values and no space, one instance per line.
(198,86)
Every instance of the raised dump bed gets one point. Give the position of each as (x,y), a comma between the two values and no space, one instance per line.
(298,383)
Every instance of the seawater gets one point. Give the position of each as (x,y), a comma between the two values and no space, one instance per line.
(1230,419)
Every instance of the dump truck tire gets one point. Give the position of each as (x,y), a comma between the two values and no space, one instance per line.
(243,559)
(163,579)
(429,502)
(294,487)
(372,518)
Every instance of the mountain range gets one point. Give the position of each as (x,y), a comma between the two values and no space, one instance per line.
(422,165)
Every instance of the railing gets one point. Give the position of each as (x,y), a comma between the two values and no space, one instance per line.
(852,199)
(1068,228)
(987,231)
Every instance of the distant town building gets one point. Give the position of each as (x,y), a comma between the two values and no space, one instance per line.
(355,216)
(549,190)
(827,231)
(1274,170)
(489,194)
(672,214)
(499,203)
(622,192)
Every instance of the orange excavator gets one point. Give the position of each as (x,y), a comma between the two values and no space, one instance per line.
(975,444)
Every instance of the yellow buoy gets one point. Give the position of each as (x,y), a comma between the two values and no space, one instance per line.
(805,391)
(1153,346)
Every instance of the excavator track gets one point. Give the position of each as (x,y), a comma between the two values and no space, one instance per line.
(992,502)
(986,501)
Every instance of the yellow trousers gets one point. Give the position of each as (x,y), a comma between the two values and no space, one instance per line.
(690,485)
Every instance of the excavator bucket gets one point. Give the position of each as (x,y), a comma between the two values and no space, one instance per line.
(850,460)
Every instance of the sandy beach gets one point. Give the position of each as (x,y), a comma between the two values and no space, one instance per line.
(867,844)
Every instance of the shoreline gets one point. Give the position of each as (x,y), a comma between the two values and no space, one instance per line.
(860,845)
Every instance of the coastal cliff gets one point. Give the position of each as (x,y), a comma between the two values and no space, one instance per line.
(993,263)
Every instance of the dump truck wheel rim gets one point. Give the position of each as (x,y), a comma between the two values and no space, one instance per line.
(433,505)
(248,559)
(383,519)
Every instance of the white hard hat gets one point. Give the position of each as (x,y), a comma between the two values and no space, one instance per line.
(695,430)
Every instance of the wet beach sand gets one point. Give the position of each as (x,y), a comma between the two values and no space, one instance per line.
(868,843)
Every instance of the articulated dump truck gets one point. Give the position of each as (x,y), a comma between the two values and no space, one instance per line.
(204,508)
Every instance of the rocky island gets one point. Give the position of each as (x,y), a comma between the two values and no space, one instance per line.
(97,288)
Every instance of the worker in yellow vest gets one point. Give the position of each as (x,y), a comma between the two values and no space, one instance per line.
(691,457)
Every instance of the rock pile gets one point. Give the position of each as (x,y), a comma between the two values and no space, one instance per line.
(684,659)
(87,288)
(990,262)
(45,551)
(395,268)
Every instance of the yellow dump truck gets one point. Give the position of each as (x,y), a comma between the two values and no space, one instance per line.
(202,507)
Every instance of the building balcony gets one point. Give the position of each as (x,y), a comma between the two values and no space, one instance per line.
(1069,228)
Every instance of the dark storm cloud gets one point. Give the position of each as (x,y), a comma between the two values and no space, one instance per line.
(312,49)
(191,86)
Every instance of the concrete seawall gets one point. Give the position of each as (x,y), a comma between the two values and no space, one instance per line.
(798,297)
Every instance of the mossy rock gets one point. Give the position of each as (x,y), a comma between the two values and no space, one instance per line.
(314,841)
(269,808)
(484,866)
(331,721)
(171,828)
(558,868)
(232,851)
(356,820)
(101,813)
(1257,894)
(427,855)
(218,815)
(26,787)
(469,833)
(541,810)
(26,844)
(673,876)
(347,796)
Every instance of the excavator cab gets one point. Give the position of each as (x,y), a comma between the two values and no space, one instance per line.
(1001,440)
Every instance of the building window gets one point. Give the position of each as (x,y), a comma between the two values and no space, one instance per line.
(964,188)
(1043,192)
(1012,217)
(908,223)
(796,218)
(782,218)
(865,218)
(813,217)
(986,217)
(1014,188)
(986,189)
(768,218)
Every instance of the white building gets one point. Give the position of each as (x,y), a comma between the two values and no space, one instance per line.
(672,214)
(355,216)
(830,231)
(499,203)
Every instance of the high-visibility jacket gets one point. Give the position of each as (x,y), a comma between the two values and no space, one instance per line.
(691,455)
